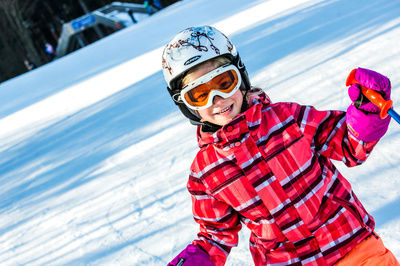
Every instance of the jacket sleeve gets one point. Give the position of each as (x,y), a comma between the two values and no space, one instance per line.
(329,135)
(219,223)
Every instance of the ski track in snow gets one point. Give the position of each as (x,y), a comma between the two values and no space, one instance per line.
(94,156)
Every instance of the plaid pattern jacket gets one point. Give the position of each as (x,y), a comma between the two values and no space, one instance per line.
(270,168)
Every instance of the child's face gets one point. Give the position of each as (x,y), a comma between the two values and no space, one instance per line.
(223,110)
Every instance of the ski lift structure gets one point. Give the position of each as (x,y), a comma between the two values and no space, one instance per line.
(99,23)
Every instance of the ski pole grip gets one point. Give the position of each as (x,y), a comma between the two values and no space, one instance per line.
(372,95)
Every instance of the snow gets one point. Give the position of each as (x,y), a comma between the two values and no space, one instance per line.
(94,156)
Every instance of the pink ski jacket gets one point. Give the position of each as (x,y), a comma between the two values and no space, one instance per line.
(270,168)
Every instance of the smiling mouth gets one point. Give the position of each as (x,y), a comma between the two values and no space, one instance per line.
(227,109)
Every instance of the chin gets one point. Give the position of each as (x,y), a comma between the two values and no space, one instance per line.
(224,120)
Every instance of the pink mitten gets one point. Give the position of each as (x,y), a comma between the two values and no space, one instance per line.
(192,255)
(363,116)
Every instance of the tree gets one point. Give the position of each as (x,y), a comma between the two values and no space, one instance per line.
(18,36)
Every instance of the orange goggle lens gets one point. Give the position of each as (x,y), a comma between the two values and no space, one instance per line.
(225,82)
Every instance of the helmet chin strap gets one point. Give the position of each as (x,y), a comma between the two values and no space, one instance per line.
(209,127)
(205,125)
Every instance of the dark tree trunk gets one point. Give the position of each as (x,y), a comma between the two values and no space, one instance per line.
(18,35)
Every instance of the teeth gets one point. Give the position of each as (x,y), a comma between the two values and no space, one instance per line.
(224,110)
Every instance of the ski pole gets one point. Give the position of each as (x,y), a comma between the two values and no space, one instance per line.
(377,99)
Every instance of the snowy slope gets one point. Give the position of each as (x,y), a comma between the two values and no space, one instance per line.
(94,156)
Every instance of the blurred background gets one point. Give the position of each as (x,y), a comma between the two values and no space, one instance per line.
(33,33)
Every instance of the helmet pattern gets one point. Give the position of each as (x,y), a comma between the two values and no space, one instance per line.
(191,47)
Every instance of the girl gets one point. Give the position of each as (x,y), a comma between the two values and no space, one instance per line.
(268,165)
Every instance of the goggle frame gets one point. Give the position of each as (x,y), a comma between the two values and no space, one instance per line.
(214,92)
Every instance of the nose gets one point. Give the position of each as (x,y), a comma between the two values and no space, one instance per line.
(217,99)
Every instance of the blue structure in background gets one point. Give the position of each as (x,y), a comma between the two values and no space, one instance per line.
(72,38)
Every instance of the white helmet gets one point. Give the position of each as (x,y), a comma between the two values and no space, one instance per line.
(191,47)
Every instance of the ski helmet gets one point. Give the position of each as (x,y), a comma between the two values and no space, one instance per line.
(192,47)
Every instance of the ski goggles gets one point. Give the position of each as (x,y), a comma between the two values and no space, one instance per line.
(223,81)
